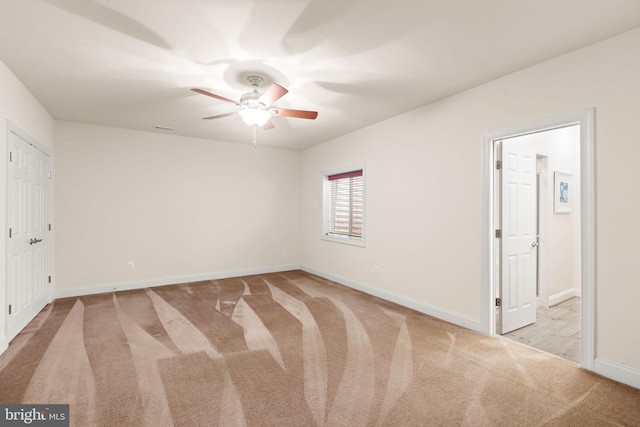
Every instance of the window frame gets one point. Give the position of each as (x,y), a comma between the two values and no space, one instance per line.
(326,206)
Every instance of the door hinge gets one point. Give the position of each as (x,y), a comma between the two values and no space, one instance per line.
(49,279)
(49,227)
(498,302)
(498,234)
(9,308)
(9,233)
(498,164)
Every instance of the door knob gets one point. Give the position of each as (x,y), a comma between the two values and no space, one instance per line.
(534,244)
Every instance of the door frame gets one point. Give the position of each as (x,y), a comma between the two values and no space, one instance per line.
(586,120)
(11,128)
(543,226)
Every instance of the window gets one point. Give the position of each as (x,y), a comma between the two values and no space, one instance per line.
(344,206)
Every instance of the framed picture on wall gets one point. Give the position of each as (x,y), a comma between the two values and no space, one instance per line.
(563,192)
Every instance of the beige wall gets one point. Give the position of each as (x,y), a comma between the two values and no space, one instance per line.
(23,110)
(425,236)
(176,206)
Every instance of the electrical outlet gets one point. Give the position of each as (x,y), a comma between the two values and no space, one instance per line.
(131,265)
(284,252)
(376,270)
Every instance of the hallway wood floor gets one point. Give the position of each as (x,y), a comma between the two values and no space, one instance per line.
(556,331)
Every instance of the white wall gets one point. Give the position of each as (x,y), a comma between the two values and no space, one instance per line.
(560,240)
(178,207)
(23,110)
(431,253)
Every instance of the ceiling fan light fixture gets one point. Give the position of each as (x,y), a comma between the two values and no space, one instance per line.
(254,116)
(256,108)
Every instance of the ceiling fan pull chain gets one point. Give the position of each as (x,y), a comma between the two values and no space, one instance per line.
(255,127)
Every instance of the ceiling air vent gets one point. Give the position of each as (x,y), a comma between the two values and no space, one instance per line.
(163,127)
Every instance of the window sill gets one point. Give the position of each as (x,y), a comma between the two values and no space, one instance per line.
(346,240)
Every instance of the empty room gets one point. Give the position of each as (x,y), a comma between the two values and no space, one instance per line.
(312,213)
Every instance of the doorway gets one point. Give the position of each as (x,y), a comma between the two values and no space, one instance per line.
(29,246)
(545,310)
(492,204)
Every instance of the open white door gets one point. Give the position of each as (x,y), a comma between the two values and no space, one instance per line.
(519,242)
(28,246)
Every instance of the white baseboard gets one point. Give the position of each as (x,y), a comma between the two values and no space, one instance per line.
(617,372)
(563,296)
(162,281)
(402,300)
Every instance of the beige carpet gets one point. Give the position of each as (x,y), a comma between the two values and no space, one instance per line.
(290,349)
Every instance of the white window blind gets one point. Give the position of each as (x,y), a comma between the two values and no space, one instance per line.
(346,204)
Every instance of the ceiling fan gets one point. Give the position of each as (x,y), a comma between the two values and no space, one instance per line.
(257,108)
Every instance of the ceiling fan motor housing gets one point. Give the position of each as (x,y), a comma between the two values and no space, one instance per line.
(250,100)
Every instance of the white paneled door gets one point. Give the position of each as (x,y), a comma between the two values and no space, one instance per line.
(29,245)
(519,239)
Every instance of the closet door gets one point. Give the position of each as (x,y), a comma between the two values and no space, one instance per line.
(29,245)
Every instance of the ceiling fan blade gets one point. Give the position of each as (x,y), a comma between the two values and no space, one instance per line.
(300,114)
(272,94)
(219,116)
(268,125)
(213,95)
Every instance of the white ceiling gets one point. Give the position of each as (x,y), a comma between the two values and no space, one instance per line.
(131,63)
